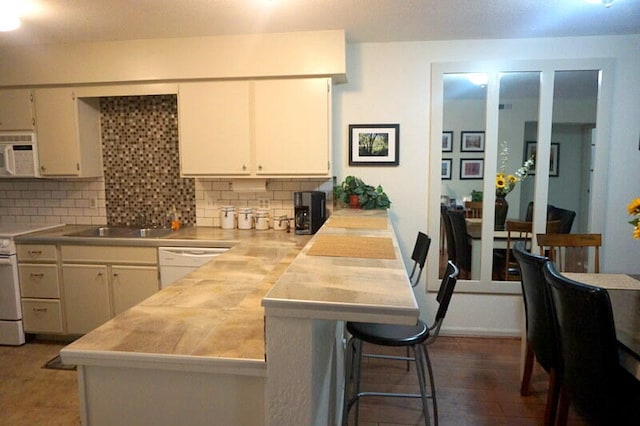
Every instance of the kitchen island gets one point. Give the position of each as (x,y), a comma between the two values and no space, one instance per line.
(197,351)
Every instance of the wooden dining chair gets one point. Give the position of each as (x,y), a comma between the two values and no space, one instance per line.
(521,230)
(592,379)
(570,252)
(473,209)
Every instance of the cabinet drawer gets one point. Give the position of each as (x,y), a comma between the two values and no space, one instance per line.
(36,252)
(39,281)
(41,316)
(110,254)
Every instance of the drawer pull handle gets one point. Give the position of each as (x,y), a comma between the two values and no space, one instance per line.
(115,274)
(34,251)
(39,309)
(40,275)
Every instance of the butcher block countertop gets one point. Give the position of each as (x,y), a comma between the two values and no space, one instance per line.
(214,319)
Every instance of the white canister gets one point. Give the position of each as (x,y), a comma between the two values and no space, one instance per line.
(280,222)
(245,218)
(227,217)
(262,219)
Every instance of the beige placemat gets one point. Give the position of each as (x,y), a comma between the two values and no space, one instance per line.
(352,246)
(610,281)
(358,222)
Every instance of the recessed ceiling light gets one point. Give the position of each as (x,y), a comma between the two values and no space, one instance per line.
(9,23)
(606,3)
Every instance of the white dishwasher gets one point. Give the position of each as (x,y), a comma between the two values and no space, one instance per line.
(176,262)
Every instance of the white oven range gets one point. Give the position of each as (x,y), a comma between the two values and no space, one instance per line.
(11,330)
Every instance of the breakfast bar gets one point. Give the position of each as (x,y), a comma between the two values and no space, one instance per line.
(253,337)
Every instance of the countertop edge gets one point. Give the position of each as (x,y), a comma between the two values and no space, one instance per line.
(156,361)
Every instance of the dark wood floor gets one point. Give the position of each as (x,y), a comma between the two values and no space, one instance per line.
(477,380)
(477,383)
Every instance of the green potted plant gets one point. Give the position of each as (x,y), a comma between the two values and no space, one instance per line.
(354,192)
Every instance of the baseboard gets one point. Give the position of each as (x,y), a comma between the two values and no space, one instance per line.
(479,332)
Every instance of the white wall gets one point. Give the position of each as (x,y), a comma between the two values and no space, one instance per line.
(389,83)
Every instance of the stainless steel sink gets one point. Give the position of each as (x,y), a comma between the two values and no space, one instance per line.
(121,232)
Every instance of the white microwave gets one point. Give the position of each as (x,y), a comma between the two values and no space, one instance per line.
(18,155)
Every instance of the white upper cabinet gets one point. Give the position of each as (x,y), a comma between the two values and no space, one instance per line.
(292,126)
(214,128)
(16,110)
(68,133)
(257,128)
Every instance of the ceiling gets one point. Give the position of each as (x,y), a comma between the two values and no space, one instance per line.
(62,21)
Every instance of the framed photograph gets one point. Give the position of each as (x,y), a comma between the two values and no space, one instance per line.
(374,144)
(472,141)
(445,172)
(447,141)
(471,168)
(554,159)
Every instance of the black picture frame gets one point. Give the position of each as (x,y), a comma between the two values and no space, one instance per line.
(445,171)
(554,160)
(447,141)
(471,168)
(472,141)
(374,144)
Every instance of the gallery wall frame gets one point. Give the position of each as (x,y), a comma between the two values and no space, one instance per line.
(445,173)
(374,144)
(447,141)
(472,141)
(554,158)
(471,168)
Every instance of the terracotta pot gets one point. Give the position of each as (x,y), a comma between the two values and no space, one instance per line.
(354,201)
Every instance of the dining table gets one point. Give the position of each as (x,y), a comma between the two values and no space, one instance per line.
(624,293)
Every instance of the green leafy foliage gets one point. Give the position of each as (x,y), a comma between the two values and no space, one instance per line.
(370,197)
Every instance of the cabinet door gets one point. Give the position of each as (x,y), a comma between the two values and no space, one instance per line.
(292,126)
(16,110)
(57,132)
(131,285)
(214,128)
(86,297)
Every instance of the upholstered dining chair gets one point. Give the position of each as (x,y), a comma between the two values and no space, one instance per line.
(541,340)
(565,217)
(570,252)
(592,379)
(462,243)
(448,233)
(416,337)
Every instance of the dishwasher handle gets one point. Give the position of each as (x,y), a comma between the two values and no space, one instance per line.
(193,251)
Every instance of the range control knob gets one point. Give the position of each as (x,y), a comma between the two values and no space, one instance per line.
(4,243)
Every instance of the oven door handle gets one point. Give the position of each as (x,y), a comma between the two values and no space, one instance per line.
(5,261)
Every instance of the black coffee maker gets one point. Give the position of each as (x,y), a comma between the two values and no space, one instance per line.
(310,211)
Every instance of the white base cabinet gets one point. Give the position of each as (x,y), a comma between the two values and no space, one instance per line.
(262,128)
(86,297)
(100,282)
(40,288)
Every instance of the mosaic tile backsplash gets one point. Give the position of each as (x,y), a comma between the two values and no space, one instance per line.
(141,163)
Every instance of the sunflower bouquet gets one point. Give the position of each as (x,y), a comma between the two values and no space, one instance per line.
(506,183)
(634,210)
